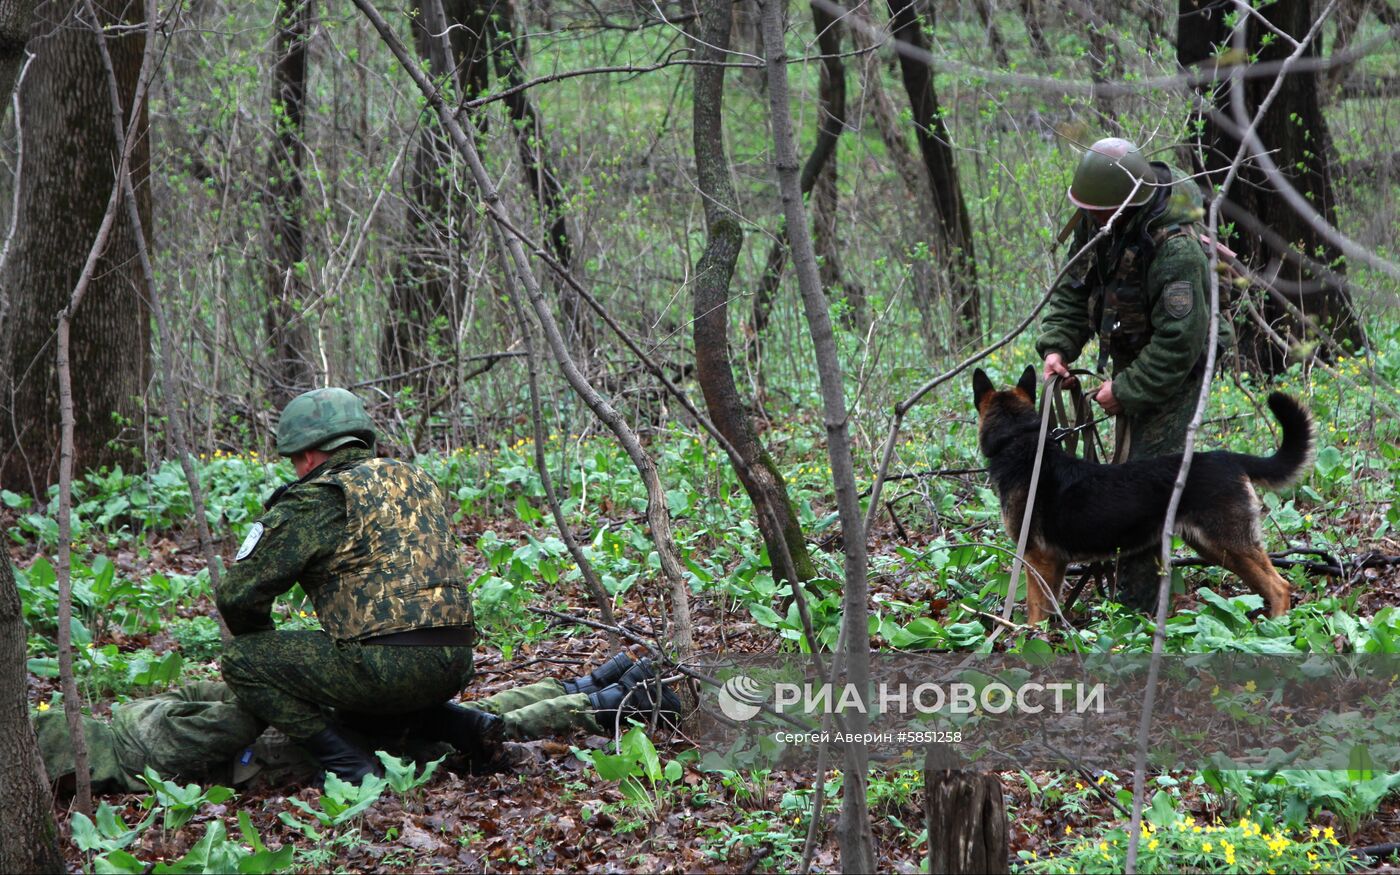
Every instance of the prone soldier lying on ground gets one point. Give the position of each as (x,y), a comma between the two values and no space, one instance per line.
(200,732)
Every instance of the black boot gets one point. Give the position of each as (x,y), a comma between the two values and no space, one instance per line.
(636,695)
(604,675)
(340,756)
(476,734)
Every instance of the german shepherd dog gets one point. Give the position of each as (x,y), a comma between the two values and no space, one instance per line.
(1085,511)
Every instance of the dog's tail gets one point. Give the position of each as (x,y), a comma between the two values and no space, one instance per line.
(1294,455)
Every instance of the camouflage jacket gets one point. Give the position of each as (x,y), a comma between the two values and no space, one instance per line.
(370,542)
(1145,291)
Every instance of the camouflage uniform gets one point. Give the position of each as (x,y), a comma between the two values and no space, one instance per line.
(370,543)
(541,710)
(200,732)
(1145,291)
(186,734)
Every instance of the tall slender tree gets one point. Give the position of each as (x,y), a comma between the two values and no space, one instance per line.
(28,834)
(288,291)
(819,180)
(426,289)
(909,19)
(69,156)
(777,520)
(1307,268)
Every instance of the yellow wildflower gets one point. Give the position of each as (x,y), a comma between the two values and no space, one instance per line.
(1152,845)
(1207,847)
(1251,687)
(1069,830)
(43,706)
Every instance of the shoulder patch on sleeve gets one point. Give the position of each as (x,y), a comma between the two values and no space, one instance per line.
(1179,297)
(250,543)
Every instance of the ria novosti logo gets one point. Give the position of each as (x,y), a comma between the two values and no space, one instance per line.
(741,698)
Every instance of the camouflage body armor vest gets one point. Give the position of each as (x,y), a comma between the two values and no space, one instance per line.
(396,570)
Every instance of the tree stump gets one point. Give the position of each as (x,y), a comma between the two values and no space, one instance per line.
(966,818)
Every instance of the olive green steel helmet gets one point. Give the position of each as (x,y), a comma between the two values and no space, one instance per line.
(1112,173)
(323,419)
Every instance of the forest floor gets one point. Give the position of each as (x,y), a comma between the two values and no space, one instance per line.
(548,810)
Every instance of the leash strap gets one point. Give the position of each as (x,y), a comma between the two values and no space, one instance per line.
(1052,386)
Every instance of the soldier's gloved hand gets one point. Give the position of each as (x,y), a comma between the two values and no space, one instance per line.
(1104,396)
(1055,364)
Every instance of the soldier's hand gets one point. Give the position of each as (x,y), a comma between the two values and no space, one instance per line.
(1104,396)
(1055,364)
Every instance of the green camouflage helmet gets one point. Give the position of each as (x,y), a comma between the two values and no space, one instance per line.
(323,419)
(1112,173)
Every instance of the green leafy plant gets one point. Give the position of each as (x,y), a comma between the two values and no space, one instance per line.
(399,773)
(339,803)
(215,853)
(637,768)
(178,804)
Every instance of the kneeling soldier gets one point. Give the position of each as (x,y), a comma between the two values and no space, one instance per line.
(370,542)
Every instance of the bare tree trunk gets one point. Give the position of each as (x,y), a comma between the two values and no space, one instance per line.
(824,198)
(876,101)
(777,520)
(516,259)
(853,832)
(819,167)
(1294,129)
(1105,62)
(966,817)
(955,227)
(509,52)
(427,284)
(69,160)
(28,835)
(986,12)
(289,339)
(1349,16)
(1030,14)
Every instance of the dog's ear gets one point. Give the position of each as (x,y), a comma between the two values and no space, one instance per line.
(1027,383)
(981,387)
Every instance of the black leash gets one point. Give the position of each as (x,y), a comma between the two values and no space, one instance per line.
(1073,424)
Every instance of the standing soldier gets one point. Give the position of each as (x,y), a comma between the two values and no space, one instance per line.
(1144,290)
(370,542)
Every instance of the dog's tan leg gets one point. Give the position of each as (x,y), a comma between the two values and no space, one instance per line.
(1042,596)
(1254,568)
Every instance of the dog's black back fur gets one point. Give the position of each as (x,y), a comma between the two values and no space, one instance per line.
(1087,510)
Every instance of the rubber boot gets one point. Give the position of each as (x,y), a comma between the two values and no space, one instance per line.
(604,675)
(636,695)
(476,734)
(340,756)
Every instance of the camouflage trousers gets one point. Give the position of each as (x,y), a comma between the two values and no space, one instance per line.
(184,735)
(288,678)
(1159,432)
(540,710)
